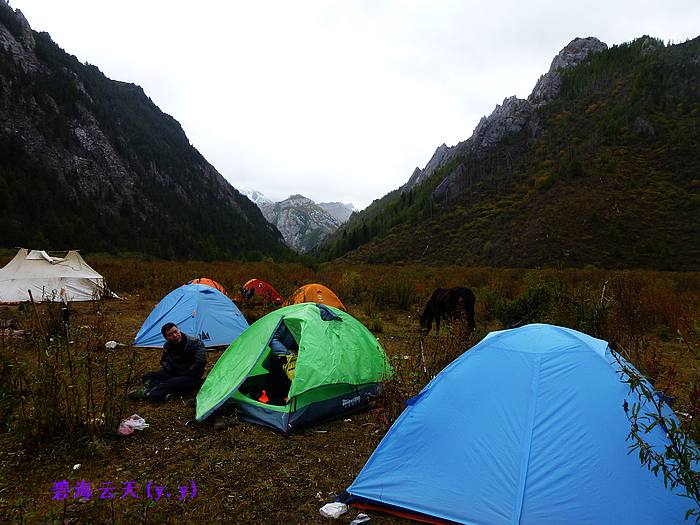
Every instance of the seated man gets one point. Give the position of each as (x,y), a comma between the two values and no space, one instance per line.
(182,365)
(247,293)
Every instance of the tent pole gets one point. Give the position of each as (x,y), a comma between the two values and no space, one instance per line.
(36,312)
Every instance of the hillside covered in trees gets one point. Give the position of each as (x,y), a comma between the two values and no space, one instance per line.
(88,162)
(605,173)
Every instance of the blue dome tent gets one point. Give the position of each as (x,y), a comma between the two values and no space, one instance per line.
(528,427)
(198,310)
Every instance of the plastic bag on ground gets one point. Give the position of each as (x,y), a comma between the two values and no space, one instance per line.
(133,422)
(361,518)
(333,510)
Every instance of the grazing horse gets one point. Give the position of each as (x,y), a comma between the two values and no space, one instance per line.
(447,302)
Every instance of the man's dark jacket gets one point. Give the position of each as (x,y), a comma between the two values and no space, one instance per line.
(186,358)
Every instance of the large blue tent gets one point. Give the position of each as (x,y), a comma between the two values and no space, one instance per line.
(528,427)
(198,310)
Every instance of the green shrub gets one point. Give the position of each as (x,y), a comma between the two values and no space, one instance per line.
(58,387)
(396,291)
(531,306)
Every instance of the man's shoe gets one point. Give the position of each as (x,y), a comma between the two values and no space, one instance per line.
(137,393)
(225,422)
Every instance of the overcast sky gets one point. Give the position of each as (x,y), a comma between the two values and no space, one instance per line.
(338,101)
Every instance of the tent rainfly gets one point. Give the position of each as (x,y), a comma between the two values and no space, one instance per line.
(527,427)
(198,310)
(208,282)
(256,287)
(315,293)
(49,278)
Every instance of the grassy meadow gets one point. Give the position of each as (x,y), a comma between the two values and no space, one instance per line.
(62,401)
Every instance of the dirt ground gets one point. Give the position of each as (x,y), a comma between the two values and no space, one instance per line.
(243,473)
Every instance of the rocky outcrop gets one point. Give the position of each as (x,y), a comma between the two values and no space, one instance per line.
(256,197)
(302,223)
(650,45)
(547,87)
(510,118)
(339,210)
(17,38)
(443,154)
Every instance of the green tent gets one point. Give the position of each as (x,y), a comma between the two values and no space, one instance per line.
(339,369)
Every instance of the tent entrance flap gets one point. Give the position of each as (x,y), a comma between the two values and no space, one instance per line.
(218,396)
(270,380)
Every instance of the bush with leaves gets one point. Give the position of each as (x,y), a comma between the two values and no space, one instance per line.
(678,461)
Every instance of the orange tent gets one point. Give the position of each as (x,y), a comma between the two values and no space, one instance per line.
(314,293)
(262,289)
(208,282)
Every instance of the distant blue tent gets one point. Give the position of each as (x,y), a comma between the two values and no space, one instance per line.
(198,310)
(527,427)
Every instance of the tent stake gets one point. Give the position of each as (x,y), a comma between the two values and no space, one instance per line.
(422,354)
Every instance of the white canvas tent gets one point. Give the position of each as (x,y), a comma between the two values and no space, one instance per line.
(49,278)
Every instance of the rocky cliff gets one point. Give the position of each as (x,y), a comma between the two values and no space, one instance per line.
(88,162)
(257,197)
(339,210)
(509,118)
(443,154)
(597,167)
(302,222)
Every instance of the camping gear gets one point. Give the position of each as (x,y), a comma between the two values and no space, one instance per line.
(527,427)
(360,518)
(209,282)
(339,369)
(257,288)
(314,293)
(333,510)
(49,278)
(197,310)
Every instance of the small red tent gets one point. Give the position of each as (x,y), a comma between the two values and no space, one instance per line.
(262,289)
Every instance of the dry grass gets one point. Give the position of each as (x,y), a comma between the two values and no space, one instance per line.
(247,474)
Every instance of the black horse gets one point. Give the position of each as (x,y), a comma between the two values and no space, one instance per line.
(448,302)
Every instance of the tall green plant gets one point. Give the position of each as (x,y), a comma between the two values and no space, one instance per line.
(63,383)
(681,456)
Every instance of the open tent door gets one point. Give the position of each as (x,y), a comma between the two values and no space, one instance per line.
(233,368)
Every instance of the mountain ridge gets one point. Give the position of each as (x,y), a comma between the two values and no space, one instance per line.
(303,223)
(92,162)
(621,122)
